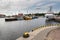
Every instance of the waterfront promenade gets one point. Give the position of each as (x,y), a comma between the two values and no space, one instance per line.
(39,34)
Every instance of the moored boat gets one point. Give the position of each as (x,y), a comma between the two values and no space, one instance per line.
(10,18)
(27,18)
(34,17)
(49,16)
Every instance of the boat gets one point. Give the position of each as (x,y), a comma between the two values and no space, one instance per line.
(20,16)
(27,18)
(10,18)
(49,16)
(34,17)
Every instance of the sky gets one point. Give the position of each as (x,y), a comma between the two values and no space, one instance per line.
(32,6)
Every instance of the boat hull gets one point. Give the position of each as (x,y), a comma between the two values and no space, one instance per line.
(10,19)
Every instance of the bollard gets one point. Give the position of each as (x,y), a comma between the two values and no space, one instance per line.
(26,35)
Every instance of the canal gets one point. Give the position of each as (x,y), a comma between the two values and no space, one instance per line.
(14,29)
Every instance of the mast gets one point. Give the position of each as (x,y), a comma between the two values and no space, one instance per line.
(50,9)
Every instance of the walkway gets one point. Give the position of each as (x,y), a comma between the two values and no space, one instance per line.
(39,34)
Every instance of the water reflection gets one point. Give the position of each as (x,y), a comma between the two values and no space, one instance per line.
(51,22)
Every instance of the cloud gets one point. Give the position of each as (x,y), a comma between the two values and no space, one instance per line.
(17,5)
(55,0)
(48,5)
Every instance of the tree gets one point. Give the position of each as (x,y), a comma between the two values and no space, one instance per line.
(59,13)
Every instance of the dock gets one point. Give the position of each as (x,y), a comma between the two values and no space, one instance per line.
(39,34)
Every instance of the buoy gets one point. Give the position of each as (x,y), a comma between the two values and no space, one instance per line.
(26,35)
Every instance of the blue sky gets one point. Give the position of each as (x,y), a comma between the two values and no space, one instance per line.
(15,6)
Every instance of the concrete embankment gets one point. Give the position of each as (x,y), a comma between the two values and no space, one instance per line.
(39,34)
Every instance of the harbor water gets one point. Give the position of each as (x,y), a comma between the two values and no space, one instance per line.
(13,29)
